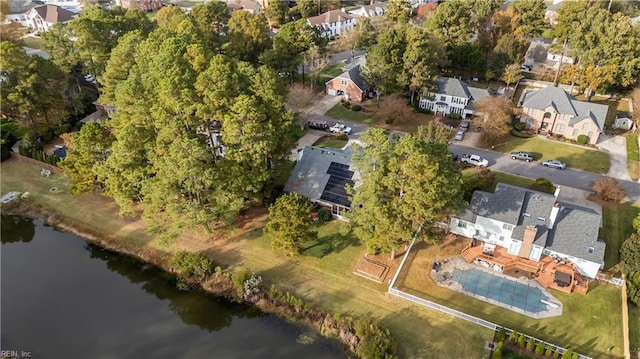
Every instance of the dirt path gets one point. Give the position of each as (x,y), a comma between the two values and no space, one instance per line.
(625,321)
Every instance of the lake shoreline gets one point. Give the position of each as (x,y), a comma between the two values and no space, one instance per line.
(219,284)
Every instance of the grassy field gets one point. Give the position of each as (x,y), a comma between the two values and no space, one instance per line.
(507,178)
(330,141)
(340,112)
(597,314)
(575,157)
(33,42)
(633,157)
(323,276)
(616,228)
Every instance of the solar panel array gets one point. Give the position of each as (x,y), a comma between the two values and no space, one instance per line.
(339,177)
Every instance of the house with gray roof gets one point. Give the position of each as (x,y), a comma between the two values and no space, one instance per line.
(452,96)
(531,225)
(349,83)
(323,175)
(333,23)
(372,10)
(552,111)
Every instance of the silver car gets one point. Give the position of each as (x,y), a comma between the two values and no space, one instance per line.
(554,164)
(459,135)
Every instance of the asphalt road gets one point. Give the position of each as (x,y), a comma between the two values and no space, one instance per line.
(568,177)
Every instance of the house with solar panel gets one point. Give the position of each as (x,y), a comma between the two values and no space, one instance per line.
(322,175)
(518,228)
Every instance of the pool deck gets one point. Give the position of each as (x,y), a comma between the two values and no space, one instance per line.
(444,274)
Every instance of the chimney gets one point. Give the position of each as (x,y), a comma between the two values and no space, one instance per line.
(527,241)
(557,192)
(554,214)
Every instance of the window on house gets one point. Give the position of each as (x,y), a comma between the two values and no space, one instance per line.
(502,238)
(590,134)
(560,128)
(585,126)
(592,250)
(343,82)
(541,219)
(574,133)
(462,224)
(443,98)
(507,226)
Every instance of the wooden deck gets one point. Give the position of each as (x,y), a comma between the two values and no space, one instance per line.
(544,270)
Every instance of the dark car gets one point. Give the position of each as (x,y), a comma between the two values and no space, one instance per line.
(322,126)
(523,156)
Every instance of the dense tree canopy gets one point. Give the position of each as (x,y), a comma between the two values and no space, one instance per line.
(176,94)
(248,36)
(455,20)
(407,182)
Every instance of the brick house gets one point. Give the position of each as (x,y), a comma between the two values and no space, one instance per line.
(349,83)
(552,111)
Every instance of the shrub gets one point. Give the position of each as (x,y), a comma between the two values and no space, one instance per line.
(519,134)
(543,185)
(346,104)
(548,352)
(192,264)
(608,189)
(424,110)
(556,354)
(531,344)
(375,342)
(575,356)
(497,352)
(324,215)
(502,334)
(62,129)
(454,116)
(540,348)
(567,354)
(356,108)
(518,126)
(513,337)
(239,277)
(583,139)
(521,340)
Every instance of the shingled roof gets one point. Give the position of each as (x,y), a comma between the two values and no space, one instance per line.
(330,17)
(54,14)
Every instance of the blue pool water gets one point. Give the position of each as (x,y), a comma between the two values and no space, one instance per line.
(504,290)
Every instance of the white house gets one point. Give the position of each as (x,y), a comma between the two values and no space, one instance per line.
(42,17)
(372,10)
(452,96)
(333,23)
(18,11)
(530,224)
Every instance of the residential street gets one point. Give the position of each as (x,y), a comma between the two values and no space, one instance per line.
(568,177)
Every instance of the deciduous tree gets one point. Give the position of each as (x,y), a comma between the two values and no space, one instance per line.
(455,20)
(86,149)
(290,223)
(303,101)
(385,61)
(512,74)
(630,251)
(532,14)
(398,11)
(424,55)
(248,36)
(608,189)
(277,13)
(497,113)
(394,109)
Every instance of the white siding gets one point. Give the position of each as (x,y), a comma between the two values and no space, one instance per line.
(492,231)
(463,228)
(584,267)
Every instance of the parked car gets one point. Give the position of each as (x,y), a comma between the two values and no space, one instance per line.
(554,164)
(464,126)
(340,128)
(521,155)
(90,78)
(459,135)
(474,160)
(322,126)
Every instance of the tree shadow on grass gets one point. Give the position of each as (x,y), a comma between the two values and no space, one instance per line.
(332,243)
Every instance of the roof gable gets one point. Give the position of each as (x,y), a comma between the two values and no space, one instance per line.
(53,14)
(330,17)
(597,113)
(452,87)
(550,96)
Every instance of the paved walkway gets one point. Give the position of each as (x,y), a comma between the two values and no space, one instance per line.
(307,140)
(616,146)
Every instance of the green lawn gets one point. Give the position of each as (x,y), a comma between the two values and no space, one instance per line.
(330,141)
(575,157)
(616,228)
(511,354)
(323,276)
(597,314)
(633,157)
(634,327)
(507,178)
(340,112)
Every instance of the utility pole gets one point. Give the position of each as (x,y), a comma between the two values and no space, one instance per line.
(555,80)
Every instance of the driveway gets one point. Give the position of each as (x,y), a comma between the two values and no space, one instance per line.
(616,146)
(307,140)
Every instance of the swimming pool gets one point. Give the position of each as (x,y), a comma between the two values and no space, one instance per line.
(509,292)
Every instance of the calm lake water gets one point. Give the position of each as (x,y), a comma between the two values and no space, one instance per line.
(65,298)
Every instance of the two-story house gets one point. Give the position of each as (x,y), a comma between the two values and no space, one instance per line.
(532,225)
(333,23)
(349,83)
(551,110)
(41,18)
(452,96)
(372,10)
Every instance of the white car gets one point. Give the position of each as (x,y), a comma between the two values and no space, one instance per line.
(459,135)
(554,164)
(90,78)
(474,160)
(340,128)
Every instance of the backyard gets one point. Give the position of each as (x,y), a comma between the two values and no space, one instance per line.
(617,222)
(322,276)
(333,141)
(597,314)
(576,157)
